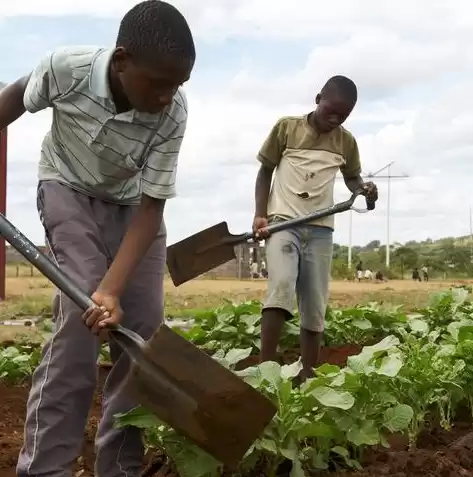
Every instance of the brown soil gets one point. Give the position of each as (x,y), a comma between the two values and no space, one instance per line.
(439,453)
(13,401)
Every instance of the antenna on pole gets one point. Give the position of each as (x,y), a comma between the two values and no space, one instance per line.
(387,176)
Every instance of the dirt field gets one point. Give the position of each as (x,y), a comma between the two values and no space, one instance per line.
(31,296)
(202,293)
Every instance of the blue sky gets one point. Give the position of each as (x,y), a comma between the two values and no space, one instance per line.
(261,59)
(217,60)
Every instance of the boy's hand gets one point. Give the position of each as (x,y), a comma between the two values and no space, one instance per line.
(260,225)
(371,191)
(107,312)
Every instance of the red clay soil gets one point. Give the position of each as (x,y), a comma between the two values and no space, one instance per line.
(13,401)
(337,355)
(439,453)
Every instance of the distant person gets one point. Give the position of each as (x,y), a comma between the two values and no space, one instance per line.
(264,270)
(359,271)
(416,275)
(254,270)
(379,277)
(425,273)
(368,274)
(303,155)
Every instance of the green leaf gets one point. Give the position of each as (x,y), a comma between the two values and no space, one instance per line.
(465,333)
(251,376)
(328,370)
(419,326)
(291,370)
(271,372)
(362,324)
(138,417)
(386,398)
(390,366)
(331,398)
(365,434)
(234,356)
(250,320)
(317,429)
(267,445)
(386,344)
(289,453)
(398,418)
(297,470)
(341,451)
(192,461)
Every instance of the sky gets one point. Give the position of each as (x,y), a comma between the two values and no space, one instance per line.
(258,60)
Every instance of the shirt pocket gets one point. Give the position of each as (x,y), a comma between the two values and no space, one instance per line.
(114,160)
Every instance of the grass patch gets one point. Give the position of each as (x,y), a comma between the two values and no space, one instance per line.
(30,305)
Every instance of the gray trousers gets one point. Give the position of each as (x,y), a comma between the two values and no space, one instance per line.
(84,235)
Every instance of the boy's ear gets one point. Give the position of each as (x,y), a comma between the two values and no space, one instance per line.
(120,57)
(317,99)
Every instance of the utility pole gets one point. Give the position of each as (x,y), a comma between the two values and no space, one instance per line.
(376,175)
(388,176)
(471,237)
(3,204)
(350,231)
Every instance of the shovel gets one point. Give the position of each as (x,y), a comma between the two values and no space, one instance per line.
(214,246)
(181,384)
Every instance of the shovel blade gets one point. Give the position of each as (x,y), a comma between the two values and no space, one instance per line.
(199,253)
(199,398)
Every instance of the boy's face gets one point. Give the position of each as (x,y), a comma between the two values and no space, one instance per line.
(150,88)
(332,111)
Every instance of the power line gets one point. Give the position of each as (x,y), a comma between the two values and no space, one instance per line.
(377,175)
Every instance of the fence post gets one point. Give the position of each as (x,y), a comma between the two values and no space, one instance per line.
(239,259)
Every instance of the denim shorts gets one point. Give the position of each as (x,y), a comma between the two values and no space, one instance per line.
(299,262)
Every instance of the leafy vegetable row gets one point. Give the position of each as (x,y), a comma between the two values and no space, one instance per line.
(424,367)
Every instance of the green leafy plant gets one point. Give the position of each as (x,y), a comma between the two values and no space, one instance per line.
(17,363)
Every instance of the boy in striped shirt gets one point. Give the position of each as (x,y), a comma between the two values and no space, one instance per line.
(107,167)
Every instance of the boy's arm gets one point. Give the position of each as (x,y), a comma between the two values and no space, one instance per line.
(36,91)
(269,157)
(352,173)
(352,169)
(158,185)
(11,102)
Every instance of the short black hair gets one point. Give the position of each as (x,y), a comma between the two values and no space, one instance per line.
(154,29)
(343,86)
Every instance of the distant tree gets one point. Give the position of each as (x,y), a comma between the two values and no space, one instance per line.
(406,257)
(373,245)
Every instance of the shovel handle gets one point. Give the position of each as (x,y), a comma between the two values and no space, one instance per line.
(51,271)
(319,214)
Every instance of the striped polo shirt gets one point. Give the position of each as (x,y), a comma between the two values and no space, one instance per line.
(306,163)
(92,148)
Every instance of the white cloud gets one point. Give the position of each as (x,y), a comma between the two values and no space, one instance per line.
(410,60)
(270,18)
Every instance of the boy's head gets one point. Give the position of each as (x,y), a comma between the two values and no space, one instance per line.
(154,55)
(335,102)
